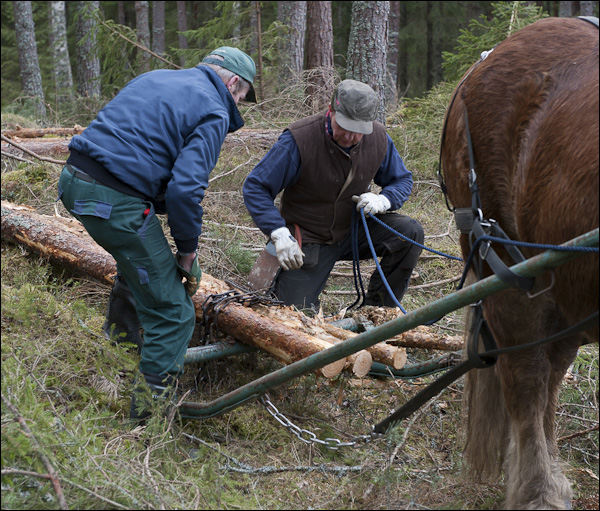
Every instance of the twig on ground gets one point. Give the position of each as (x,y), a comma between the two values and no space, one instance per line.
(52,475)
(579,433)
(31,153)
(15,157)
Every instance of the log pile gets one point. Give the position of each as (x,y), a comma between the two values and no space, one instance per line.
(283,332)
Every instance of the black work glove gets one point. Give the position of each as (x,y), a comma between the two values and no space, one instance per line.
(192,277)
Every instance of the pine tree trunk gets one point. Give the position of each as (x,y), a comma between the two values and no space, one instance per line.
(291,50)
(367,47)
(182,27)
(158,27)
(31,77)
(565,9)
(88,64)
(63,77)
(391,83)
(586,8)
(319,54)
(142,25)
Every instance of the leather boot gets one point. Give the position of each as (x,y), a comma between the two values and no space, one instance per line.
(121,317)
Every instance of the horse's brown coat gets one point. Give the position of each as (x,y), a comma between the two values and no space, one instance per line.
(533,116)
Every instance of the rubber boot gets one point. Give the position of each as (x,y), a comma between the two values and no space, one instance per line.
(121,317)
(144,398)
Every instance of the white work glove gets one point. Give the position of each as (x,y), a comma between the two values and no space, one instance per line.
(288,251)
(372,202)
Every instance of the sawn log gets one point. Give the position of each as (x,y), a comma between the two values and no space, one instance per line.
(66,242)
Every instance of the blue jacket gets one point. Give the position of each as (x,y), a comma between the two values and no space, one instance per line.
(162,135)
(281,167)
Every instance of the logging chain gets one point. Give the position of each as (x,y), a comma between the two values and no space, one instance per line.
(234,465)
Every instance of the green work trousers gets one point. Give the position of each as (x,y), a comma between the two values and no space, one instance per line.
(127,228)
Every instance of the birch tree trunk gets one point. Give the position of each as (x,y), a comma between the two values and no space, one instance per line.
(367,47)
(319,54)
(31,77)
(291,51)
(158,27)
(88,63)
(63,77)
(142,25)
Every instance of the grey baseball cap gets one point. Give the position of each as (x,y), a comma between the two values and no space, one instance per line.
(236,61)
(355,105)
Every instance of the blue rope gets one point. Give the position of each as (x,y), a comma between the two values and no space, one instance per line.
(356,264)
(541,246)
(412,241)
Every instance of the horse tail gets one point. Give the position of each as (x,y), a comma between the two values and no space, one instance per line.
(486,419)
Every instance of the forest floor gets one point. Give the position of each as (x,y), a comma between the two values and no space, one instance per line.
(70,388)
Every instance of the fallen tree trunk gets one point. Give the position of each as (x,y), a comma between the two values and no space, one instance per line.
(42,132)
(59,146)
(66,242)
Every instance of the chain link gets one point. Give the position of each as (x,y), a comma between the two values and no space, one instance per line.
(308,437)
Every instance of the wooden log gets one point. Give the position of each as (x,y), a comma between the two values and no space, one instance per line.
(66,242)
(59,146)
(39,146)
(63,241)
(423,337)
(19,132)
(360,362)
(382,352)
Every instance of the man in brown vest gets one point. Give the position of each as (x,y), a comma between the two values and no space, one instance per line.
(325,164)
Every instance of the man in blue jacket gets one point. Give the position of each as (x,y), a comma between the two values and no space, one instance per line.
(324,164)
(150,151)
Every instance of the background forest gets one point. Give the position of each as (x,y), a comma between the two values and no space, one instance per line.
(74,56)
(66,439)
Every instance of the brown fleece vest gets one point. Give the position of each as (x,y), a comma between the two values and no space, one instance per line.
(320,202)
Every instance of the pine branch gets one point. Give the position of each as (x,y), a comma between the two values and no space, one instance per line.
(140,46)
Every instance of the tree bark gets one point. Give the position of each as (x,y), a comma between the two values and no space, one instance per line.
(291,50)
(158,27)
(88,63)
(586,8)
(367,47)
(391,82)
(319,54)
(142,25)
(31,77)
(63,78)
(182,26)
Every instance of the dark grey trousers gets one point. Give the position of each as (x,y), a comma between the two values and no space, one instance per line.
(302,287)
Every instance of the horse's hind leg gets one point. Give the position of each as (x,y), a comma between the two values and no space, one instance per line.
(531,380)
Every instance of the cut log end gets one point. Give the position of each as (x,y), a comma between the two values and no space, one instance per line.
(332,370)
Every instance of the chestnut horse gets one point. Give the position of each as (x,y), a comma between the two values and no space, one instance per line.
(532,108)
